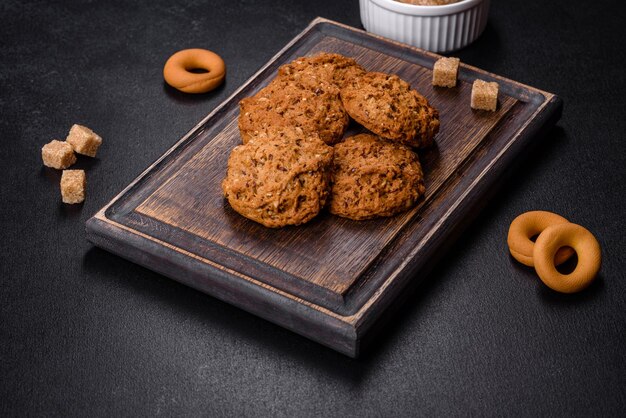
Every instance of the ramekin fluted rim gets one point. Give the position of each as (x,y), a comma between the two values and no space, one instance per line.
(418,10)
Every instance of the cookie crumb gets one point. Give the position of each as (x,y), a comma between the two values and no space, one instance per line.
(484,95)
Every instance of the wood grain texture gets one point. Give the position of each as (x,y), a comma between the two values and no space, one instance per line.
(332,268)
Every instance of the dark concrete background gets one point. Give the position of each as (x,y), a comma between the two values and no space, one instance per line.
(83,332)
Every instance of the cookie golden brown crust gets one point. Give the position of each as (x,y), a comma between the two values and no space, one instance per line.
(280,180)
(332,68)
(374,177)
(289,103)
(389,107)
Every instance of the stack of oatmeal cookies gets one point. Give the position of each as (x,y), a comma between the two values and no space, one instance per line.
(295,161)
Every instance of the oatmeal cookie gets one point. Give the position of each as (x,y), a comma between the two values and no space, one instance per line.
(279,180)
(374,177)
(332,68)
(389,107)
(289,103)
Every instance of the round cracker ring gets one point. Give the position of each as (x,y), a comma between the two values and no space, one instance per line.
(528,225)
(584,244)
(178,73)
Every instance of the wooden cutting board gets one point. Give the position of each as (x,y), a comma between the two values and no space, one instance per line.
(332,279)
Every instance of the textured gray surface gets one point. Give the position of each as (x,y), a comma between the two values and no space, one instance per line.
(83,332)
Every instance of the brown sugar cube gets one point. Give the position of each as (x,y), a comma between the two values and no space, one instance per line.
(58,154)
(484,95)
(73,184)
(84,140)
(445,72)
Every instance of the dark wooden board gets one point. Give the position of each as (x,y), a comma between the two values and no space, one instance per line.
(332,279)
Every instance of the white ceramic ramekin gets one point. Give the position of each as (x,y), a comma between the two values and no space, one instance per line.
(435,28)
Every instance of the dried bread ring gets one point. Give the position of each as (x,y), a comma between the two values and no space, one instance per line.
(587,249)
(177,70)
(526,226)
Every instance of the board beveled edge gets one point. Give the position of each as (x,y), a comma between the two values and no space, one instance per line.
(343,334)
